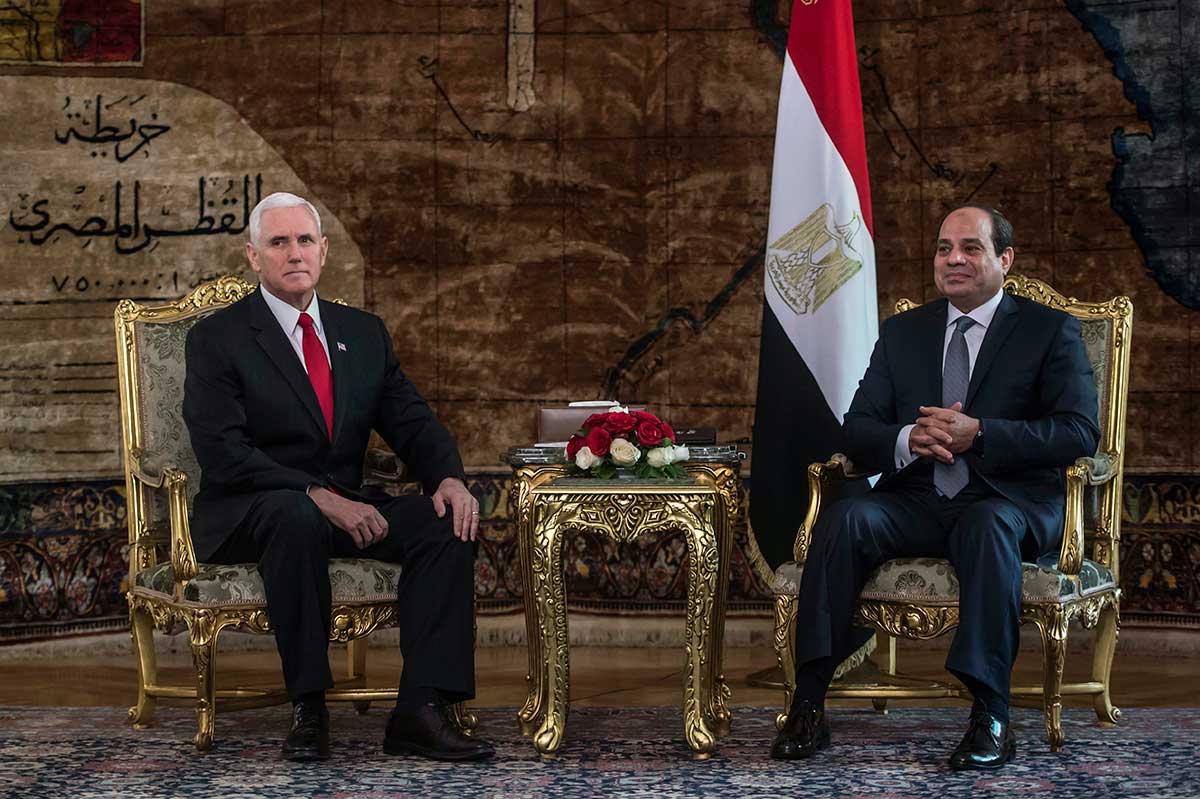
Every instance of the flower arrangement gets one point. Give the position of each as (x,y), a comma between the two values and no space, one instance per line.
(630,439)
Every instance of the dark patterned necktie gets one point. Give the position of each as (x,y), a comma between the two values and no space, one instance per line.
(950,478)
(318,370)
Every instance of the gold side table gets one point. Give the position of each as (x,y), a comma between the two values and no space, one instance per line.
(704,507)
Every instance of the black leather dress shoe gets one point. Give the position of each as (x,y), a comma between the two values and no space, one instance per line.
(988,744)
(806,732)
(308,739)
(427,732)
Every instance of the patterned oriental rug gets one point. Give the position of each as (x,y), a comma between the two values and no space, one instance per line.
(631,752)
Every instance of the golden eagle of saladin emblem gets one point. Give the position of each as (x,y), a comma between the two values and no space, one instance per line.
(812,260)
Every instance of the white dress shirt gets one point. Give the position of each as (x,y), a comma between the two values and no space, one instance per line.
(289,319)
(974,336)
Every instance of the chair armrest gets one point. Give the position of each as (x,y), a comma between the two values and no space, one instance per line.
(820,476)
(1084,472)
(1100,469)
(382,466)
(174,482)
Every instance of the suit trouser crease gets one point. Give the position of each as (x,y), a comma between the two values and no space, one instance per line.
(979,532)
(292,542)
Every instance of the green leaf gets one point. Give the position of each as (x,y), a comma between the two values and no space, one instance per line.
(604,470)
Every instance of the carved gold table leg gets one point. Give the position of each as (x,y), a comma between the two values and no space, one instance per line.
(529,716)
(546,551)
(724,521)
(703,568)
(521,502)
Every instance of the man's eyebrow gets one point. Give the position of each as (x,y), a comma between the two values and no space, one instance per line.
(969,240)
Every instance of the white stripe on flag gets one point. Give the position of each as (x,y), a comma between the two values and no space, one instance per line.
(834,339)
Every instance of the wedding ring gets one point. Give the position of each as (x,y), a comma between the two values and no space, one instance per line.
(474,513)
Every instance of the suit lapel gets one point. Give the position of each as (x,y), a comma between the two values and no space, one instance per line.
(932,343)
(340,361)
(1003,323)
(271,338)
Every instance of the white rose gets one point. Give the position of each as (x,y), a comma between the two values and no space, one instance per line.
(660,456)
(624,453)
(585,459)
(681,454)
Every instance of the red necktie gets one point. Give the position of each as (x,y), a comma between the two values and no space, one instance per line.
(318,370)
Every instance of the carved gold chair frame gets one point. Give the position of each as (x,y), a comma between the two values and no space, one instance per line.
(161,479)
(1092,527)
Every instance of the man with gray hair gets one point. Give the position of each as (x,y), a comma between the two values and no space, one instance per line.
(282,392)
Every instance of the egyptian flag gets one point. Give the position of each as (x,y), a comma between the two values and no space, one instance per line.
(820,318)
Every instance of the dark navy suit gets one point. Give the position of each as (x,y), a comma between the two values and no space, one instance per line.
(1033,391)
(261,441)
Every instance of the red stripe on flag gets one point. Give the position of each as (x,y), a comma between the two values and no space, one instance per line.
(821,46)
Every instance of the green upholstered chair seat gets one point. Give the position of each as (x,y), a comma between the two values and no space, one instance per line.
(933,581)
(353,580)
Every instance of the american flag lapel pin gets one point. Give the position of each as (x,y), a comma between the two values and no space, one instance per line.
(341,347)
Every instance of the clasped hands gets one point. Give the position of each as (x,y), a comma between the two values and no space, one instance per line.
(366,525)
(941,433)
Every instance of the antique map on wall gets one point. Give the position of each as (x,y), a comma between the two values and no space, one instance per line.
(71,32)
(114,188)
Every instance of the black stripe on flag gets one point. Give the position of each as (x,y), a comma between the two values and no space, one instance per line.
(793,427)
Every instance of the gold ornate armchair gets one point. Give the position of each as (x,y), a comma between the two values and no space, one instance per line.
(917,598)
(168,589)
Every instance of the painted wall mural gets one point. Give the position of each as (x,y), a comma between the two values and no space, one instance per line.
(1156,185)
(71,32)
(112,188)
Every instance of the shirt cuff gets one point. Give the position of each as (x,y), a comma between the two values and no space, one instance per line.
(904,455)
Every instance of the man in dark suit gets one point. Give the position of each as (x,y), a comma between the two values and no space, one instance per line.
(282,392)
(971,406)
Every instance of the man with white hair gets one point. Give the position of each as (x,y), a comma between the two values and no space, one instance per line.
(282,392)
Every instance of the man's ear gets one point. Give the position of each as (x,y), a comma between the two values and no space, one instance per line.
(1006,259)
(252,256)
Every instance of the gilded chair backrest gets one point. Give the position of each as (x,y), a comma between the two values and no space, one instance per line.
(150,370)
(1107,329)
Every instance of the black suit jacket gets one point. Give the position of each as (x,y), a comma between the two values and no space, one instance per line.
(1031,387)
(255,424)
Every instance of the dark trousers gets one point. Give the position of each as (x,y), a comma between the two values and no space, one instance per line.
(292,542)
(982,534)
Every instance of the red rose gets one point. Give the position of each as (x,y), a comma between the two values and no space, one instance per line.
(667,431)
(595,420)
(598,441)
(649,433)
(620,424)
(573,446)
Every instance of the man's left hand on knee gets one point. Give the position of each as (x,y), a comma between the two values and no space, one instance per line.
(464,508)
